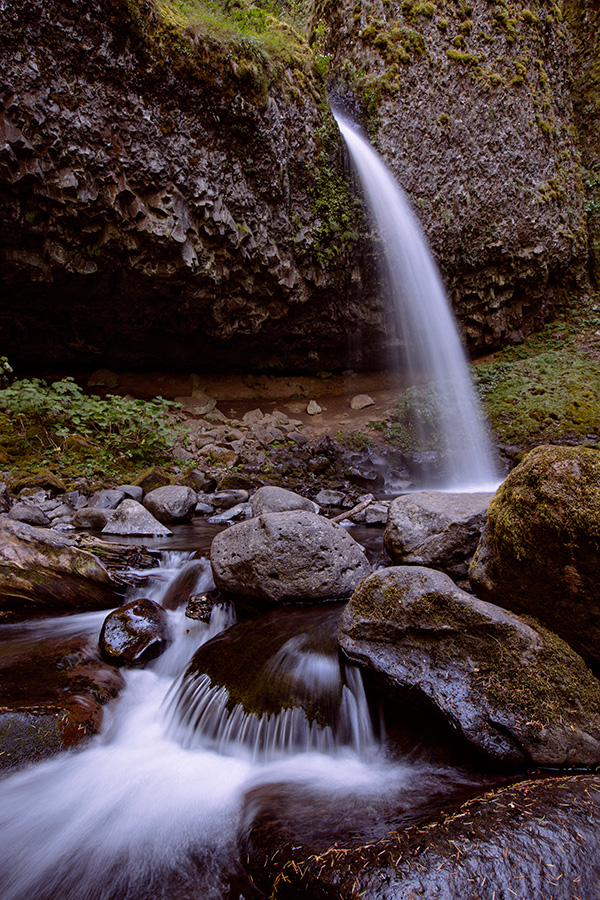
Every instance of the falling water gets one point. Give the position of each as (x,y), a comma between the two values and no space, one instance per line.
(424,325)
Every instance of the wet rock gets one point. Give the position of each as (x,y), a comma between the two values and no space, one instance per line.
(294,555)
(277,499)
(515,691)
(537,838)
(436,529)
(361,401)
(90,517)
(171,503)
(183,585)
(133,518)
(106,499)
(40,568)
(135,633)
(200,606)
(227,499)
(540,551)
(51,696)
(28,513)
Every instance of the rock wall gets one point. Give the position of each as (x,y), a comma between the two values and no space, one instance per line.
(470,105)
(169,198)
(174,197)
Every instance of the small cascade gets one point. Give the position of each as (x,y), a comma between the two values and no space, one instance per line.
(425,331)
(301,698)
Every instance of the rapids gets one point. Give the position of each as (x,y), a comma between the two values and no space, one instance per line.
(152,810)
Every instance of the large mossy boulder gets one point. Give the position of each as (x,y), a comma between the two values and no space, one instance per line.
(293,555)
(436,529)
(540,551)
(41,568)
(516,692)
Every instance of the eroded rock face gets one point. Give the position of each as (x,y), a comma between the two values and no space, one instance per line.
(294,555)
(540,551)
(471,108)
(435,529)
(516,692)
(159,196)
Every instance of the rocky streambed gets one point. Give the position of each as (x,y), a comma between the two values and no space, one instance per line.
(434,731)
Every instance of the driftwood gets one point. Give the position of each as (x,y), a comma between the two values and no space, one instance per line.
(366,501)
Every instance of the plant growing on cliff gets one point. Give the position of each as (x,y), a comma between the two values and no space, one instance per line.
(90,433)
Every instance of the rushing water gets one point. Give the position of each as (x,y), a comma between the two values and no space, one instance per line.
(150,809)
(423,324)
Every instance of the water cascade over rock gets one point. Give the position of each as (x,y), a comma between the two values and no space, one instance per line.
(428,345)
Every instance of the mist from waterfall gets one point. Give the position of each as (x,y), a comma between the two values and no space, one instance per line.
(420,318)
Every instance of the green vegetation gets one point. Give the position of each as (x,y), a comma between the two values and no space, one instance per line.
(414,424)
(546,390)
(59,427)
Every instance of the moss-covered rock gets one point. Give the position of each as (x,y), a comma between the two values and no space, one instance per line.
(512,689)
(540,551)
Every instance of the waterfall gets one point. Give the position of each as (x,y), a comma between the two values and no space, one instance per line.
(423,324)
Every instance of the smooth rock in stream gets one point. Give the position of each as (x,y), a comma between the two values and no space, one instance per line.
(135,633)
(513,690)
(183,585)
(540,552)
(171,503)
(436,529)
(133,518)
(293,555)
(277,499)
(535,840)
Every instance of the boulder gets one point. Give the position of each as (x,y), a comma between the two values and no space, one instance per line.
(132,491)
(540,551)
(330,498)
(293,555)
(277,499)
(51,697)
(41,568)
(135,633)
(28,513)
(171,503)
(361,401)
(5,498)
(106,499)
(132,518)
(92,517)
(436,529)
(515,691)
(229,498)
(538,838)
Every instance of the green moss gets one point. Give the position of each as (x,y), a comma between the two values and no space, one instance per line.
(466,59)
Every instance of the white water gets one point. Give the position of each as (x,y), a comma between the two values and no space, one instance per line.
(423,324)
(141,814)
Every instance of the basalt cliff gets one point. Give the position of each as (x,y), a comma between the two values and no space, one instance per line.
(173,195)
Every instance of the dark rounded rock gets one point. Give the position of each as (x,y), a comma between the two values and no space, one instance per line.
(28,513)
(92,517)
(182,586)
(135,633)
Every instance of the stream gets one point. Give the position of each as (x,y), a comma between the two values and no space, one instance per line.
(152,808)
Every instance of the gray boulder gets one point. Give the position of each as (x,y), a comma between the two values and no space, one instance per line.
(435,529)
(516,692)
(171,503)
(135,633)
(5,498)
(272,499)
(106,499)
(294,555)
(132,491)
(132,518)
(28,513)
(92,517)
